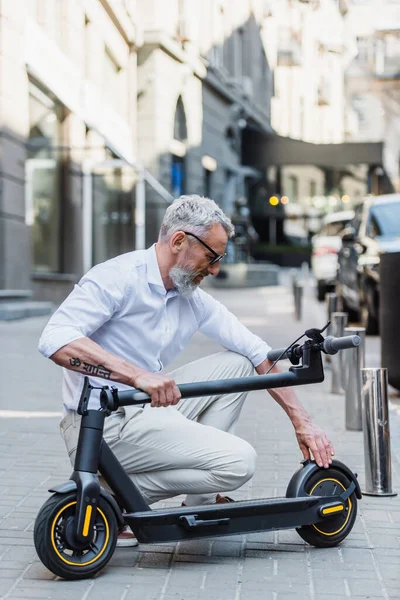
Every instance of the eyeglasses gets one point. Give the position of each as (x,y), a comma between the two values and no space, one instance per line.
(217,257)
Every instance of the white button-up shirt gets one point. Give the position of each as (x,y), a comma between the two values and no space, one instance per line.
(123,306)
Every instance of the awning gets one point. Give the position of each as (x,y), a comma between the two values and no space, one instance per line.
(260,150)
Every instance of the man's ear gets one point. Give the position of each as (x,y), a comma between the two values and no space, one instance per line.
(176,241)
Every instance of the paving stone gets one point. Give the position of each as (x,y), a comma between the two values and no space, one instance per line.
(274,565)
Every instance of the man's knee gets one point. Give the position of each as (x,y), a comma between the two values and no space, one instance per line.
(244,464)
(241,365)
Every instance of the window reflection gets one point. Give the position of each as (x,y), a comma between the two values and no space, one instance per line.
(113,219)
(43,171)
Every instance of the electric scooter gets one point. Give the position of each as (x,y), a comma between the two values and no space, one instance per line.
(76,529)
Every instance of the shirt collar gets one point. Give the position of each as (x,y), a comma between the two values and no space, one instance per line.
(153,272)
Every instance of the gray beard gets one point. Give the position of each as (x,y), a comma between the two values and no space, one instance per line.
(183,281)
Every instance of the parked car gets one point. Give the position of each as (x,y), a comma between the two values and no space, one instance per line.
(375,229)
(325,247)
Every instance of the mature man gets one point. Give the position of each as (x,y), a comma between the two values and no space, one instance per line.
(132,315)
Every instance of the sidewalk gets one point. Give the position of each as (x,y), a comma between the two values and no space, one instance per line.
(275,565)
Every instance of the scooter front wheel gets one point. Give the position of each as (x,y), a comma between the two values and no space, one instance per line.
(51,540)
(330,532)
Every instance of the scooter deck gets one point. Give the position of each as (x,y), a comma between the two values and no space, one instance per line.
(189,522)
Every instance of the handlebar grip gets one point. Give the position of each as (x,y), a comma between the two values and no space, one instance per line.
(332,345)
(274,354)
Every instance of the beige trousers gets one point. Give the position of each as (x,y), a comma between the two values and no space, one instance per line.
(184,449)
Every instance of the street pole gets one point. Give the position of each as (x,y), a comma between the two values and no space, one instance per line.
(87,217)
(140,212)
(272,231)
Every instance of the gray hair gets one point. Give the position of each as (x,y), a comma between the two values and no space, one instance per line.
(195,214)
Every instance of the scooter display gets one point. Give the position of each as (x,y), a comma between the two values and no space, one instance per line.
(76,529)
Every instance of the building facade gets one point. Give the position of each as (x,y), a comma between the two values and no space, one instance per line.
(68,104)
(203,77)
(111,108)
(373,85)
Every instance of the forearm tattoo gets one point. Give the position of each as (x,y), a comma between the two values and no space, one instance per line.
(97,371)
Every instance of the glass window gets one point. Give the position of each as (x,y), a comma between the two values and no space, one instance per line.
(113,212)
(43,173)
(335,228)
(180,128)
(385,219)
(177,176)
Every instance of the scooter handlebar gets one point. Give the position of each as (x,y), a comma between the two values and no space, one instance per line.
(277,353)
(332,345)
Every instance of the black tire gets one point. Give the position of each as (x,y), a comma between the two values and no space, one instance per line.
(51,545)
(329,532)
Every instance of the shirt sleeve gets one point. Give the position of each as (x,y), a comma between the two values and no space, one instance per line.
(223,327)
(92,302)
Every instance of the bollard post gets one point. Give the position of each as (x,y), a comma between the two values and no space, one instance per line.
(331,307)
(355,361)
(331,301)
(298,300)
(305,272)
(293,278)
(375,417)
(339,322)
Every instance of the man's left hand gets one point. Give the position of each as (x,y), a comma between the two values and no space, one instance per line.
(313,441)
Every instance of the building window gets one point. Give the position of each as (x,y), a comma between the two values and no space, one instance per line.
(44,179)
(178,165)
(180,128)
(239,53)
(87,65)
(113,204)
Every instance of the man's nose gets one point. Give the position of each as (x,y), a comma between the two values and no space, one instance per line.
(214,269)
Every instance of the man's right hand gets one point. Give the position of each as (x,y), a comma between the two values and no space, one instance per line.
(162,389)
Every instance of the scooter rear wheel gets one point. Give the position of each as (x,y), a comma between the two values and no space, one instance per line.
(332,531)
(52,545)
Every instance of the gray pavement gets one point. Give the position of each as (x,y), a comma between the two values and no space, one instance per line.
(275,565)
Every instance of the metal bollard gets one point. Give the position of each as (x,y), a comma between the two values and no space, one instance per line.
(293,278)
(305,272)
(339,322)
(354,362)
(298,300)
(331,301)
(375,417)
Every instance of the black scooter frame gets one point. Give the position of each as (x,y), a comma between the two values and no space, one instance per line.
(161,525)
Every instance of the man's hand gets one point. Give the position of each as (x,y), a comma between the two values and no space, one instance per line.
(163,390)
(312,439)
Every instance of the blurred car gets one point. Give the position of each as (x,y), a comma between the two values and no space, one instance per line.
(375,229)
(325,247)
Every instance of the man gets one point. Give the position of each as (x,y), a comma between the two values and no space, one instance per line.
(126,320)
